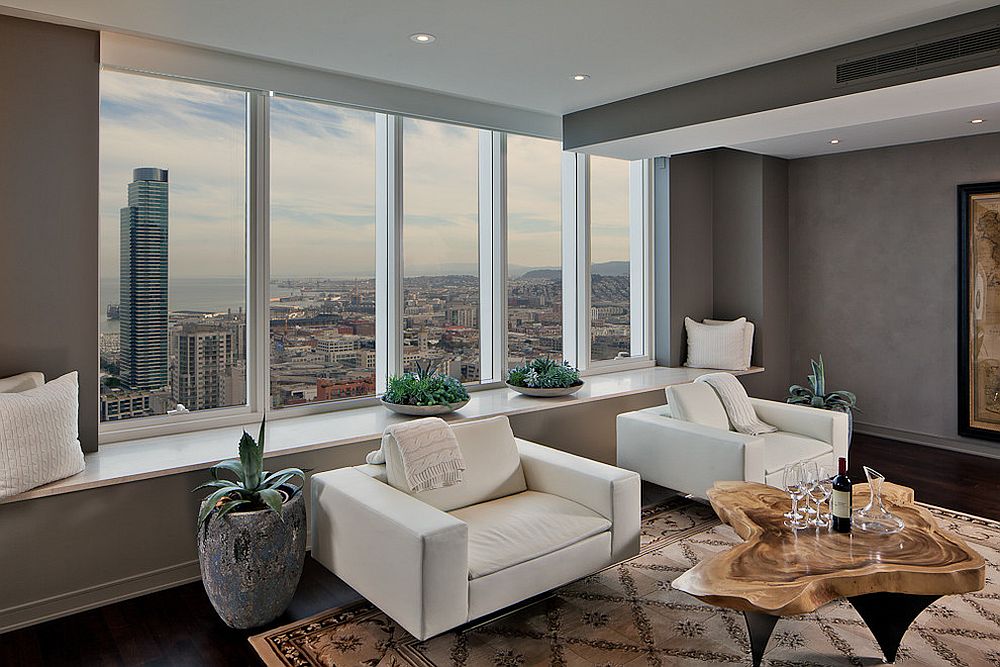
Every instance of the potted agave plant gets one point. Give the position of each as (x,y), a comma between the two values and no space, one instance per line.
(815,395)
(251,537)
(424,392)
(544,377)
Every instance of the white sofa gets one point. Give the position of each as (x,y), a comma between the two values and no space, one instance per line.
(688,445)
(525,519)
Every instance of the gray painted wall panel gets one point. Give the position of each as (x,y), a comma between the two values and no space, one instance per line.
(788,82)
(873,275)
(48,206)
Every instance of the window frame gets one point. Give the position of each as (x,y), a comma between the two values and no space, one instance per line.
(493,271)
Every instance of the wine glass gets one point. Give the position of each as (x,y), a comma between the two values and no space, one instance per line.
(821,493)
(792,481)
(810,478)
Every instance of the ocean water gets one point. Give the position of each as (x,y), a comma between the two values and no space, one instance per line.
(208,294)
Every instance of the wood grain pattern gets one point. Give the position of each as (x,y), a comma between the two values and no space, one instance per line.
(778,572)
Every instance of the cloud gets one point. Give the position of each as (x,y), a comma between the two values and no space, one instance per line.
(323,185)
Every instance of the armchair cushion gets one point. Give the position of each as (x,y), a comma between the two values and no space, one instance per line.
(698,403)
(518,528)
(781,448)
(492,466)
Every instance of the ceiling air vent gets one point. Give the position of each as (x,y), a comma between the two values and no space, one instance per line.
(920,55)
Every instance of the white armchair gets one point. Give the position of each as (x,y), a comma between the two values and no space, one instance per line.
(525,519)
(687,445)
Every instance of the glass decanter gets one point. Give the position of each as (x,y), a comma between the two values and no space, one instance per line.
(874,517)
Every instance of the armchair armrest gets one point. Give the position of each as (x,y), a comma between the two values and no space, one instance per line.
(685,456)
(827,426)
(407,557)
(612,492)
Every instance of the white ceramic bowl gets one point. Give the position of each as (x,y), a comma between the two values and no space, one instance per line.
(547,392)
(424,410)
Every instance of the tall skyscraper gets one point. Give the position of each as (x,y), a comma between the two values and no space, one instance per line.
(143,309)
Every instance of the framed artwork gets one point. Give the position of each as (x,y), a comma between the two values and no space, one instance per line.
(979,310)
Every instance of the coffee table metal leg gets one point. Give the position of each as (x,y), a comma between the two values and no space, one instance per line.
(760,627)
(888,615)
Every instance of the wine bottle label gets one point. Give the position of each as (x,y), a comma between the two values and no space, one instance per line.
(840,504)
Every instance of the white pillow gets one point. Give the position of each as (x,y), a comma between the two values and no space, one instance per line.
(747,332)
(720,346)
(39,435)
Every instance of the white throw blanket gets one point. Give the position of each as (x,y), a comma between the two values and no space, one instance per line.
(736,402)
(429,452)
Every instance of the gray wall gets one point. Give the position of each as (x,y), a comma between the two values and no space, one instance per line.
(873,264)
(728,254)
(78,550)
(48,205)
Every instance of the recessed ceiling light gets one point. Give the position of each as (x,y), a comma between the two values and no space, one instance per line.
(976,121)
(581,77)
(834,141)
(423,37)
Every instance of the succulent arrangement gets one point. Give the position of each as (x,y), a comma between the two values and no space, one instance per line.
(253,489)
(544,373)
(424,387)
(815,394)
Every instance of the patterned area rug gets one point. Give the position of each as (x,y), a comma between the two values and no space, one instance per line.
(628,614)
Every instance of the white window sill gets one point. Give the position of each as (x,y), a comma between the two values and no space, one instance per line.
(148,458)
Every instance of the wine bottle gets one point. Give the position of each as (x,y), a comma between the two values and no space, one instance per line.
(840,502)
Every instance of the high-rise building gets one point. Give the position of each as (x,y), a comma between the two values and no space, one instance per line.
(143,309)
(209,371)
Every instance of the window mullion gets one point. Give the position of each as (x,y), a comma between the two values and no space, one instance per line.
(389,248)
(638,214)
(258,253)
(575,260)
(492,255)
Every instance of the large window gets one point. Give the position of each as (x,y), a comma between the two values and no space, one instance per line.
(610,273)
(322,282)
(264,254)
(441,248)
(173,285)
(534,249)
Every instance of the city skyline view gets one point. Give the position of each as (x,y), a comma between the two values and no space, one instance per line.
(322,248)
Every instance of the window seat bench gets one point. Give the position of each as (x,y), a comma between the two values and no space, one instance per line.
(159,456)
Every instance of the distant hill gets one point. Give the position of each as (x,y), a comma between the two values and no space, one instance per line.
(599,269)
(542,274)
(610,269)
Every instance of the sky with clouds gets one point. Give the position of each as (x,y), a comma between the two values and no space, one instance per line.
(323,185)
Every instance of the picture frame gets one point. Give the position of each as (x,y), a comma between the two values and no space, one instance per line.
(979,310)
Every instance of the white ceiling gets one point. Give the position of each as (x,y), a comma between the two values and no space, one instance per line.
(919,111)
(520,53)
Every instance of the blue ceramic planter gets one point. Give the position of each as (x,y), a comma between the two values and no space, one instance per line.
(251,562)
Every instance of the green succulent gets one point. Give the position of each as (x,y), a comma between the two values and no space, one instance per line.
(815,394)
(253,489)
(424,386)
(544,373)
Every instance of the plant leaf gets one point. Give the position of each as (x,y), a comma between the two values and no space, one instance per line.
(271,498)
(231,465)
(214,484)
(285,475)
(229,506)
(251,461)
(211,501)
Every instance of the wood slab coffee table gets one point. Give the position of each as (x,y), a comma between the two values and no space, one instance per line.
(776,572)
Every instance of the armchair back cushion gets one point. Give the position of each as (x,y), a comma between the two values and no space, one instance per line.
(492,466)
(697,402)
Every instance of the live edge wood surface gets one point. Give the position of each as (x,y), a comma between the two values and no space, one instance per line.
(777,572)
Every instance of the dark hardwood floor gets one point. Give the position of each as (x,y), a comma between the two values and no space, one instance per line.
(179,627)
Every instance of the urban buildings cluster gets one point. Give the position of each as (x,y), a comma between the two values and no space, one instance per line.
(322,330)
